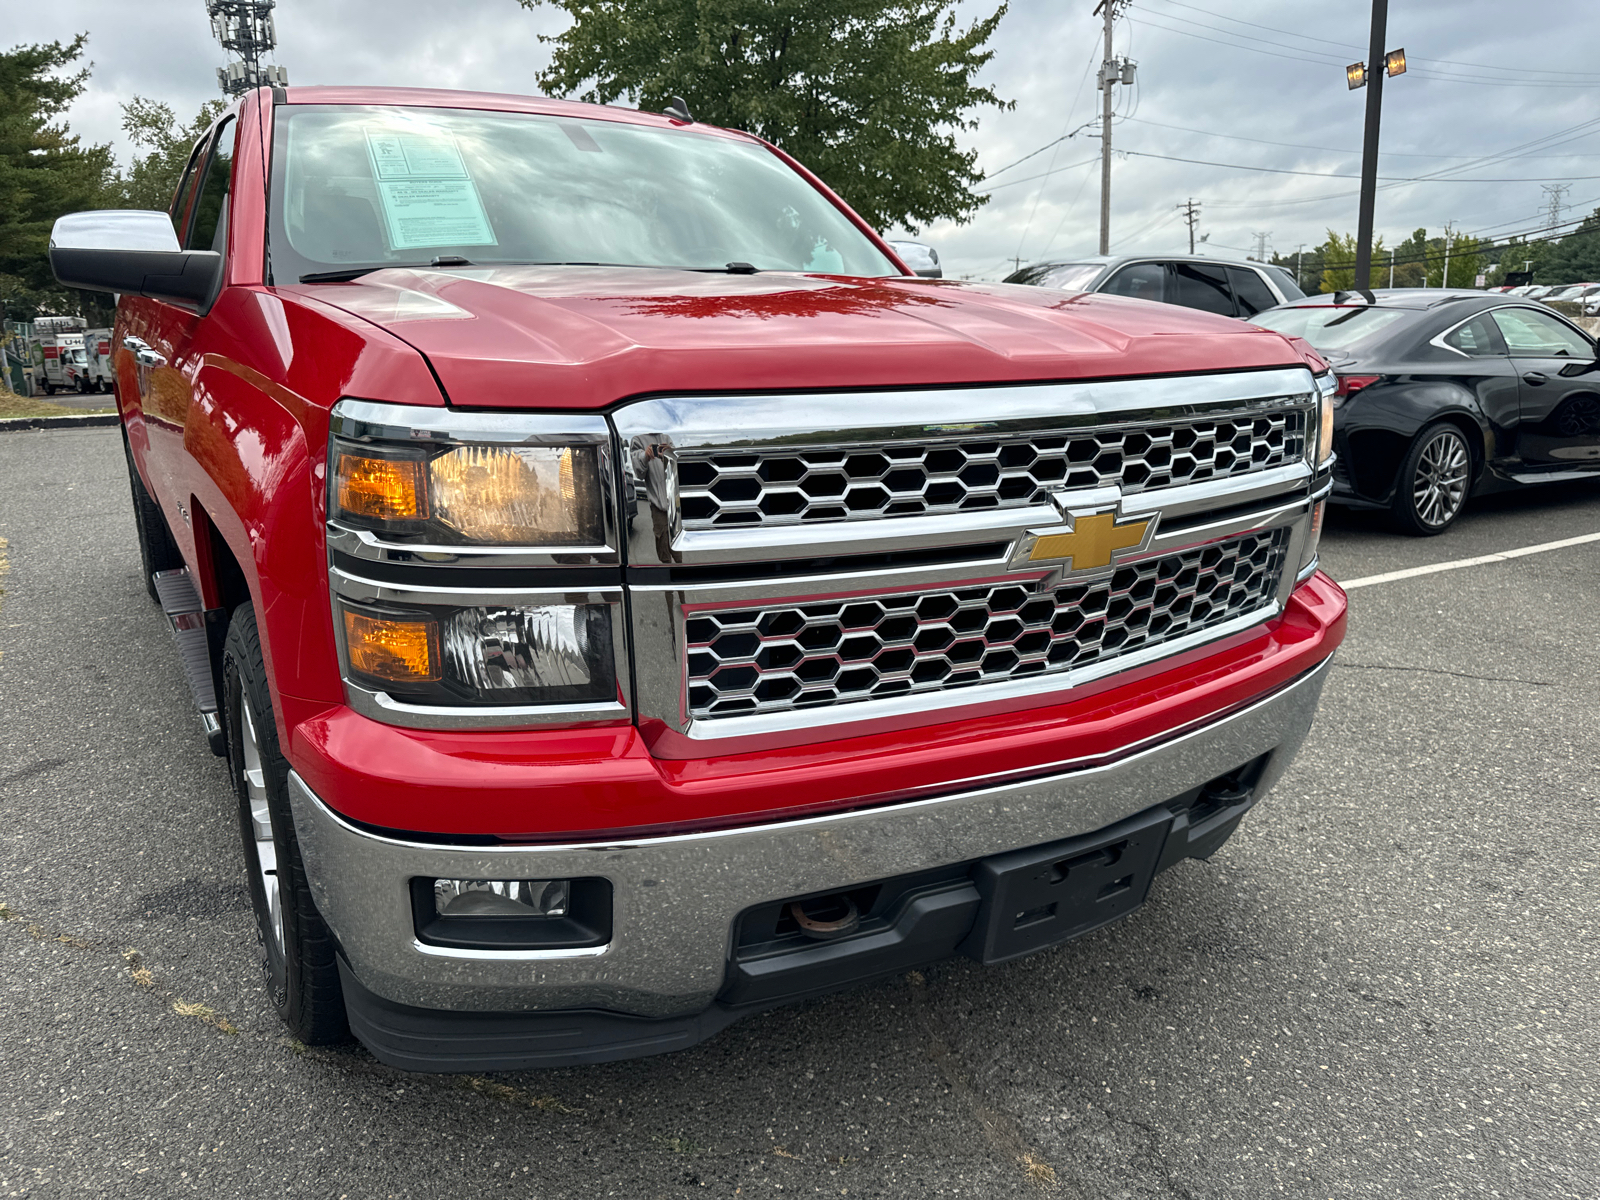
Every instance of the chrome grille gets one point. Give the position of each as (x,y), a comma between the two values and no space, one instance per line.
(789,656)
(803,484)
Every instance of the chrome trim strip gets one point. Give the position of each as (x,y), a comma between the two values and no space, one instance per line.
(675,898)
(381,706)
(422,947)
(356,587)
(823,418)
(663,429)
(368,420)
(364,544)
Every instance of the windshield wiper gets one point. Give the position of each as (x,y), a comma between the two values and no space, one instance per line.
(346,274)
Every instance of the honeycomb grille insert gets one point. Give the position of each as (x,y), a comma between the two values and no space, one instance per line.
(808,655)
(801,485)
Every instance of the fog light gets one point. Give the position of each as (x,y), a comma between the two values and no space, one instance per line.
(501,897)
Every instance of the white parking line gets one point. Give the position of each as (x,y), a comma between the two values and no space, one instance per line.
(1434,568)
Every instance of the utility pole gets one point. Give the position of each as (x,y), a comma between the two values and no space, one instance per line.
(1391,268)
(1261,245)
(1444,280)
(1191,214)
(1297,280)
(1112,72)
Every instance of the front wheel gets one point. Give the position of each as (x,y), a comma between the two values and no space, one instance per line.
(1434,481)
(297,955)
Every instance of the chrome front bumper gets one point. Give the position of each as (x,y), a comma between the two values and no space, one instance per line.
(676,898)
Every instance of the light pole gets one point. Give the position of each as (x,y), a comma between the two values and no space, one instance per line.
(1370,75)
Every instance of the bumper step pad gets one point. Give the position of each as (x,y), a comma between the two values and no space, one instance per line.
(180,601)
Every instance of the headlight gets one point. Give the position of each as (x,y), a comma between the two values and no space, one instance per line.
(470,494)
(1327,390)
(511,655)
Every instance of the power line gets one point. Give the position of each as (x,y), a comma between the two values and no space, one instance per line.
(1329,60)
(1343,46)
(1390,179)
(1041,175)
(1235,137)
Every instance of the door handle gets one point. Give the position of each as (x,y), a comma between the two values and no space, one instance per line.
(1536,377)
(142,354)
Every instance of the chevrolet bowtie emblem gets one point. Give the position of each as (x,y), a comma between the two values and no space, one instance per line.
(1093,538)
(1093,541)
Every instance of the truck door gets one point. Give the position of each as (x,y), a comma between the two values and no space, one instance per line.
(1560,416)
(162,352)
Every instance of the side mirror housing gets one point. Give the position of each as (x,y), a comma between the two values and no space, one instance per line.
(132,251)
(1573,369)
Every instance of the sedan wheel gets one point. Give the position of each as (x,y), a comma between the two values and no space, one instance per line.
(1434,482)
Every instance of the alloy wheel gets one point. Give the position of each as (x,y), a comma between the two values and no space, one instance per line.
(1439,487)
(255,786)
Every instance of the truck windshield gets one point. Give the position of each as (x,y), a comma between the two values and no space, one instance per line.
(366,185)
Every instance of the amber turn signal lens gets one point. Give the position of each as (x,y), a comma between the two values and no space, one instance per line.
(395,650)
(381,489)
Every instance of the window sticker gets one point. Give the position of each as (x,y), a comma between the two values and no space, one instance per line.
(428,197)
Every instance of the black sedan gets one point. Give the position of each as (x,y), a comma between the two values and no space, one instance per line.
(1446,395)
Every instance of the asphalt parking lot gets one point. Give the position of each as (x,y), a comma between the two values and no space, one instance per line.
(1384,986)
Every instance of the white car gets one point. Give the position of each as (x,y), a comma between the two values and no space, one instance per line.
(1233,289)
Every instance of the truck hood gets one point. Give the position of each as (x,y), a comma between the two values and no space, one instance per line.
(587,337)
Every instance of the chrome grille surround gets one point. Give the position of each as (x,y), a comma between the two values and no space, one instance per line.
(677,573)
(863,481)
(777,658)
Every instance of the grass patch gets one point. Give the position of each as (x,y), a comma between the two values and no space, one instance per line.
(5,909)
(1038,1172)
(13,405)
(139,973)
(516,1096)
(677,1145)
(203,1012)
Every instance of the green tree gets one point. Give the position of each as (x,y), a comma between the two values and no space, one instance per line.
(44,172)
(869,94)
(1465,257)
(153,176)
(1410,261)
(1338,255)
(1576,257)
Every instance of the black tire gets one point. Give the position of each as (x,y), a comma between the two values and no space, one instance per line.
(297,952)
(157,550)
(1435,481)
(49,389)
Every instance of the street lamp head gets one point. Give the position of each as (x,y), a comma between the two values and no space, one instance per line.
(1394,63)
(1356,75)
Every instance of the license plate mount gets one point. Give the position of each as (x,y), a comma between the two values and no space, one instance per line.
(1041,896)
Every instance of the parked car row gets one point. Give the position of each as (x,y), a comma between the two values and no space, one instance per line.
(1442,395)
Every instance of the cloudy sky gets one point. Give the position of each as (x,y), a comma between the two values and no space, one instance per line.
(1500,100)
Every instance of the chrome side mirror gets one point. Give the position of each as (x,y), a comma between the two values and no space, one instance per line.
(132,251)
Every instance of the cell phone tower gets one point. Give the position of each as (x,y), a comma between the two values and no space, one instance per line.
(247,29)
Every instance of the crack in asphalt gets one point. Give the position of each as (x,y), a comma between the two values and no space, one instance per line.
(1441,671)
(999,1127)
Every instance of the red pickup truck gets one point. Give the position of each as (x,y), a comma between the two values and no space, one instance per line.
(628,598)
